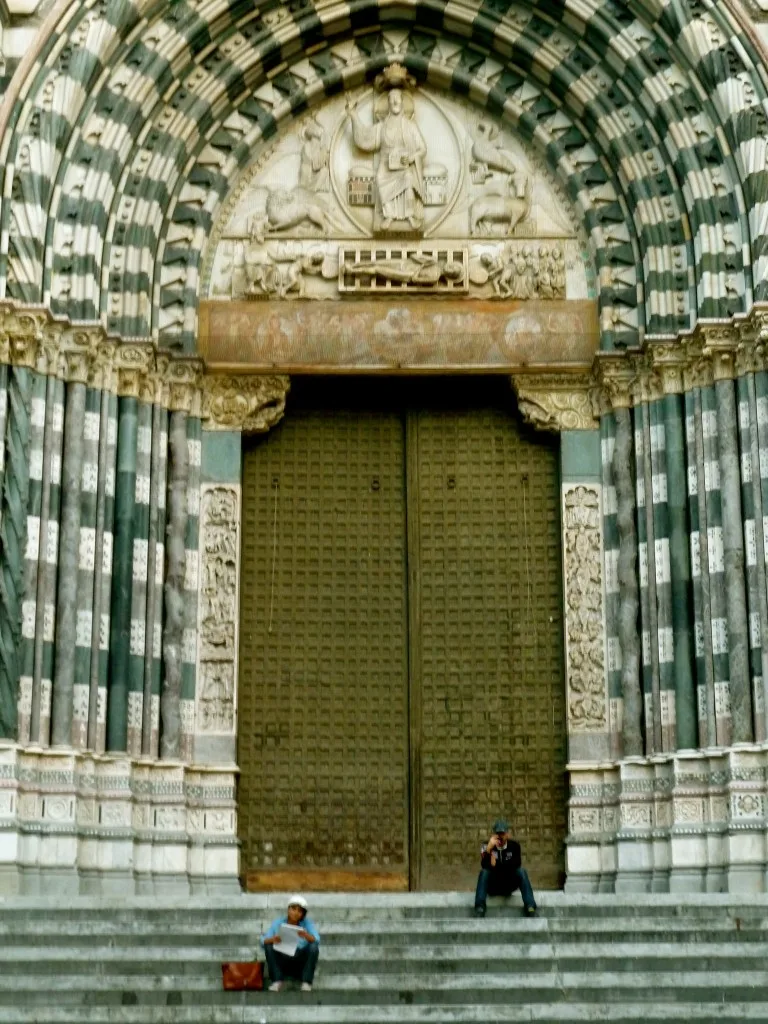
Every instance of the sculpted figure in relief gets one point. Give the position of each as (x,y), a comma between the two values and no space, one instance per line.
(313,169)
(401,148)
(418,268)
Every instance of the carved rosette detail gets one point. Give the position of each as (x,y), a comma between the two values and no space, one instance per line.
(219,545)
(251,404)
(584,612)
(555,401)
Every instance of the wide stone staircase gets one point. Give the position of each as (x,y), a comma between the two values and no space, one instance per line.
(411,958)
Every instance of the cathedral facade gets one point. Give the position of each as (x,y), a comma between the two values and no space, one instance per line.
(384,443)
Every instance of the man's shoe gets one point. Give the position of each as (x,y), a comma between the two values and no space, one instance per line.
(530,911)
(276,986)
(306,987)
(479,911)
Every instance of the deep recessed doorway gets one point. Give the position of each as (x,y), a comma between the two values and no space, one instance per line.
(401,663)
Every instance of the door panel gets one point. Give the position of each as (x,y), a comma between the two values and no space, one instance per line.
(401,677)
(486,671)
(323,716)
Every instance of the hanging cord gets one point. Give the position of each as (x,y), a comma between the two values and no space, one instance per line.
(276,488)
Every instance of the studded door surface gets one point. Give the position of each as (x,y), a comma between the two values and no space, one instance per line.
(487,670)
(323,714)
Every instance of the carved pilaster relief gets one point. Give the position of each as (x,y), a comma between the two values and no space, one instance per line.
(251,404)
(219,549)
(584,608)
(555,402)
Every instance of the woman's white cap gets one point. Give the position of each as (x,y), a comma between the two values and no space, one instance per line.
(298,901)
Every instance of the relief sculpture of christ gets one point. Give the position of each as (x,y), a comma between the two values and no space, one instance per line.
(400,171)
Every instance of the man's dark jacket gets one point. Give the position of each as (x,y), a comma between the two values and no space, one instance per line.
(508,860)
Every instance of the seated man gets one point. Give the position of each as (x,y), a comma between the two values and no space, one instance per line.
(502,871)
(302,964)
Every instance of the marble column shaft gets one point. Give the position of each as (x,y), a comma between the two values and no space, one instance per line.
(628,591)
(154,561)
(122,578)
(733,560)
(13,533)
(680,565)
(69,555)
(175,595)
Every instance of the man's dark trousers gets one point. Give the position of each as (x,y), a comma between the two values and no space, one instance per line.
(489,884)
(301,966)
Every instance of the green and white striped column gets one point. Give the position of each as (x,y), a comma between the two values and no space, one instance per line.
(141,516)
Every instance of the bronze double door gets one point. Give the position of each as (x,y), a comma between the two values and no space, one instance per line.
(401,670)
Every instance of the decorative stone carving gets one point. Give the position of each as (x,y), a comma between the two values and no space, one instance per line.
(362,166)
(219,545)
(584,614)
(396,271)
(520,271)
(555,402)
(251,404)
(489,155)
(501,211)
(279,272)
(314,173)
(399,191)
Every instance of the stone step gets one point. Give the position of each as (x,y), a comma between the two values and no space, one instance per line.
(267,1009)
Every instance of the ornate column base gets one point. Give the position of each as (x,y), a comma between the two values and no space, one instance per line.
(687,823)
(79,823)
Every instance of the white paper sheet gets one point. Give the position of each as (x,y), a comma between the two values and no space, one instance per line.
(289,940)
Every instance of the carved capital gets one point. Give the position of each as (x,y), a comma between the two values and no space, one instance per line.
(667,360)
(183,377)
(719,342)
(132,364)
(102,366)
(251,404)
(20,334)
(77,352)
(555,401)
(615,374)
(698,366)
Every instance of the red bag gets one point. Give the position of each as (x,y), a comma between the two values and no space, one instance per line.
(240,976)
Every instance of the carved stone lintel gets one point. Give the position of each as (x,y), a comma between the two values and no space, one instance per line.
(556,401)
(251,404)
(584,613)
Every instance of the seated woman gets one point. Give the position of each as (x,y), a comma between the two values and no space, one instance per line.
(301,965)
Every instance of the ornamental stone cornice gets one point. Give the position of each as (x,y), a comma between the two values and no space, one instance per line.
(556,401)
(251,404)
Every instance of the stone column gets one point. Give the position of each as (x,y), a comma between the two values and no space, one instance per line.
(69,550)
(733,541)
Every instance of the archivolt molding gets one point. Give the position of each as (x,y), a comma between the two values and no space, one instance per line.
(118,151)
